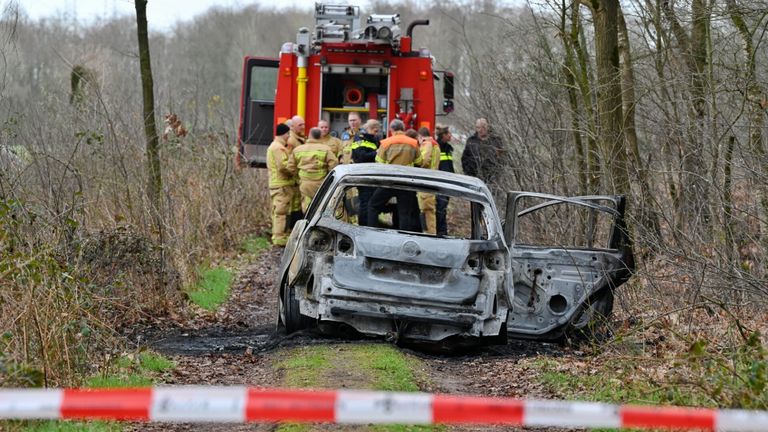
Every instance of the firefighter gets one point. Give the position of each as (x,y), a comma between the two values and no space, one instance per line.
(332,142)
(399,149)
(312,160)
(296,138)
(349,136)
(430,153)
(363,150)
(282,185)
(444,137)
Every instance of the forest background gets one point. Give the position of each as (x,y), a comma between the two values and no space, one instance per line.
(664,101)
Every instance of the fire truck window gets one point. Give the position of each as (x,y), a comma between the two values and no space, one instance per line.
(263,83)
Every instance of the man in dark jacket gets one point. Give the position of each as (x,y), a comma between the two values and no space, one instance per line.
(486,158)
(483,154)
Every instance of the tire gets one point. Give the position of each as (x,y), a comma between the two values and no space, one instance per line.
(290,315)
(592,322)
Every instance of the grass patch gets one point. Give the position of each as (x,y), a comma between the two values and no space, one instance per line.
(369,366)
(154,362)
(132,371)
(391,369)
(73,426)
(305,366)
(292,427)
(616,381)
(254,245)
(117,381)
(212,287)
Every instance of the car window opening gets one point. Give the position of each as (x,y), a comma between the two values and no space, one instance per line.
(407,210)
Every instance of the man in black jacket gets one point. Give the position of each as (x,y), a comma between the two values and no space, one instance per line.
(485,157)
(483,153)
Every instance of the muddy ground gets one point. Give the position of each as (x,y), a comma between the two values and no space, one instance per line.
(238,345)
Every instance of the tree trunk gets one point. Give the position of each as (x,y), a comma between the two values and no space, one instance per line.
(755,101)
(569,68)
(648,217)
(611,134)
(693,211)
(154,175)
(583,81)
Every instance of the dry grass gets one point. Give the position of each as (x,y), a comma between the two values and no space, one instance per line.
(79,255)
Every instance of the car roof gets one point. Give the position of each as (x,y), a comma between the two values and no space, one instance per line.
(379,169)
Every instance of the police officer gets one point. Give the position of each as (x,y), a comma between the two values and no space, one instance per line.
(430,153)
(312,160)
(363,150)
(399,149)
(282,185)
(446,164)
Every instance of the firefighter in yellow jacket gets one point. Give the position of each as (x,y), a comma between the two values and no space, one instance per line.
(326,138)
(282,184)
(295,139)
(430,153)
(313,160)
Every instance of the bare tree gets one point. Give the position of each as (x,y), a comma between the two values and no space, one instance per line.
(154,179)
(611,133)
(756,100)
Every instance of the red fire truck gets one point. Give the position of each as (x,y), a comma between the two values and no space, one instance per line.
(343,66)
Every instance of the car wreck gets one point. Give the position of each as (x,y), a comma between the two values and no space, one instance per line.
(481,282)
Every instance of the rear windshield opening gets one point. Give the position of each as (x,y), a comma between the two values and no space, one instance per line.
(411,211)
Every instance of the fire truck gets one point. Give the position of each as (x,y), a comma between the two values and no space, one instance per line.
(343,66)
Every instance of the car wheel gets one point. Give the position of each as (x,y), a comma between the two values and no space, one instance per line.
(290,315)
(592,322)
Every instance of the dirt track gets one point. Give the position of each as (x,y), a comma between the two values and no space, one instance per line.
(238,346)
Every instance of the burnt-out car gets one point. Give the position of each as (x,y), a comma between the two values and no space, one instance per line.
(478,282)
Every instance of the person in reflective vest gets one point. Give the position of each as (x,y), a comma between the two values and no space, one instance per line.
(312,160)
(444,137)
(363,150)
(282,184)
(430,153)
(296,138)
(398,149)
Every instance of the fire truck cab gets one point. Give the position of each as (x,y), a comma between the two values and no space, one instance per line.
(343,66)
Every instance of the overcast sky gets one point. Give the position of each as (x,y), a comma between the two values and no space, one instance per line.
(161,14)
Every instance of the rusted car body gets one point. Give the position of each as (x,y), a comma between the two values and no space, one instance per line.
(469,284)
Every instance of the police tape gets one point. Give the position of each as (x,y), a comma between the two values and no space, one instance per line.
(244,404)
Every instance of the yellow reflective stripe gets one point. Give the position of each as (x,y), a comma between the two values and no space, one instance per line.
(366,144)
(379,159)
(280,183)
(446,156)
(305,153)
(318,175)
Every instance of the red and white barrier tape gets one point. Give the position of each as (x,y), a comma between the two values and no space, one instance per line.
(242,404)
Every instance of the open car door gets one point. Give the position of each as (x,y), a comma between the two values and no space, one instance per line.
(257,110)
(567,256)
